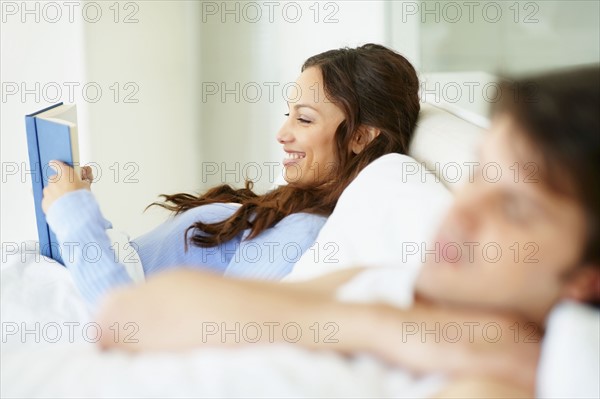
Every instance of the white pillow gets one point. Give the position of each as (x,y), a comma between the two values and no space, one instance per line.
(570,360)
(393,206)
(446,143)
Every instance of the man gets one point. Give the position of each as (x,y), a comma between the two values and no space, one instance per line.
(508,251)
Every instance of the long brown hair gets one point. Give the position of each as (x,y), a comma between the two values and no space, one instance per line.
(374,86)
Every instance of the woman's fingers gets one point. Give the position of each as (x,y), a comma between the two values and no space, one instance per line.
(86,174)
(62,168)
(63,181)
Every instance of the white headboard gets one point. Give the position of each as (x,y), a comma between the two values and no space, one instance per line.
(446,143)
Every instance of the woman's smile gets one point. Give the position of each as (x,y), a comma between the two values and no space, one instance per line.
(293,157)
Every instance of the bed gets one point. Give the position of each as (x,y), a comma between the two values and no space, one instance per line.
(48,334)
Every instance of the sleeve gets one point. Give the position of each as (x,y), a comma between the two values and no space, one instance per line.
(273,253)
(86,248)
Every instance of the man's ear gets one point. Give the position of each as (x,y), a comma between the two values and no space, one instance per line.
(363,136)
(584,284)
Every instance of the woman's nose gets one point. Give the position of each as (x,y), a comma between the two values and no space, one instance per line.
(284,136)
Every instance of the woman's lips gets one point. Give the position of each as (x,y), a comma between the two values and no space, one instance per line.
(293,157)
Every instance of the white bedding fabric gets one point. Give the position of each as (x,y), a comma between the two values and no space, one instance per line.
(446,141)
(36,289)
(570,361)
(285,371)
(391,285)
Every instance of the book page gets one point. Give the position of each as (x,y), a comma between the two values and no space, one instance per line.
(66,114)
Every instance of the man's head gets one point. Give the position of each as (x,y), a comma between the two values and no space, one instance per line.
(528,233)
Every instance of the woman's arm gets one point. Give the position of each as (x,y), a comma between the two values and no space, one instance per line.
(274,252)
(74,216)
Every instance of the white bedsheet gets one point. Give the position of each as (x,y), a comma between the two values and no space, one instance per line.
(80,370)
(37,290)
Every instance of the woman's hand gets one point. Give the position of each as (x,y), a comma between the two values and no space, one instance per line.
(65,180)
(87,175)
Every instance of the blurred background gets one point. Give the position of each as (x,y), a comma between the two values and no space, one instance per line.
(179,96)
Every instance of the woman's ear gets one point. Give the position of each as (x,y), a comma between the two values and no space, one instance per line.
(584,284)
(363,136)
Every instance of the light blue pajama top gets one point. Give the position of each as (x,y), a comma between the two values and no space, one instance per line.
(86,249)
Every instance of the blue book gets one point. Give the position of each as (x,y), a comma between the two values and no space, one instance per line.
(51,134)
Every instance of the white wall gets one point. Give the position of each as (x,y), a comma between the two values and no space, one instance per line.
(142,148)
(151,146)
(163,142)
(34,55)
(509,37)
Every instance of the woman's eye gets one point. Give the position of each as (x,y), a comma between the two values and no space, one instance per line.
(300,119)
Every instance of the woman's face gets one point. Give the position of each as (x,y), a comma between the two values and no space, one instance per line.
(308,133)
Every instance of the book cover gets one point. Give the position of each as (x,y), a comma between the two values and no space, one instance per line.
(51,134)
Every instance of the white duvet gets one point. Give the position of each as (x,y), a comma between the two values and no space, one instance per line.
(45,353)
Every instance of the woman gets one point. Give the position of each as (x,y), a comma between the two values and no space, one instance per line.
(353,106)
